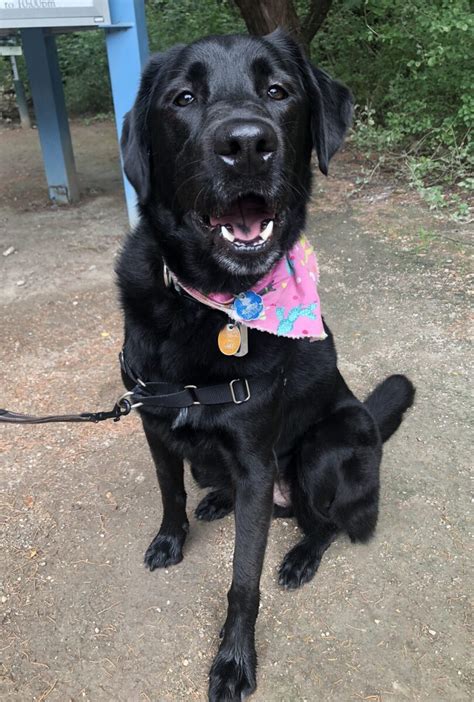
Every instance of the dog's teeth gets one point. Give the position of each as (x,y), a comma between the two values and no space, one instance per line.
(226,234)
(267,232)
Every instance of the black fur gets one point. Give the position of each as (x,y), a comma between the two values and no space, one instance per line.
(311,433)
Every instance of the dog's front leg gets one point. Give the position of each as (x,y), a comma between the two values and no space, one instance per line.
(233,673)
(167,547)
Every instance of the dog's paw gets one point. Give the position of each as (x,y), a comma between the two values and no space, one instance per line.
(233,674)
(298,567)
(165,550)
(216,504)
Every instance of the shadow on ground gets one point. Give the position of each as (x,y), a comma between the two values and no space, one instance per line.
(82,619)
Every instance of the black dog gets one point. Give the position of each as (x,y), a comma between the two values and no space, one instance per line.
(227,124)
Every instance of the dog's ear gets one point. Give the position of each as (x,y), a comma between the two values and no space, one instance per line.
(331,113)
(135,142)
(331,102)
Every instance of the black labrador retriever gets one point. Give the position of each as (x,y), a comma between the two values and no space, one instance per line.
(224,126)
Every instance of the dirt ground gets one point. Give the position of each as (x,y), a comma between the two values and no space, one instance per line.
(82,618)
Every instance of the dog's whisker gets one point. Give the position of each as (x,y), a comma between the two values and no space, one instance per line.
(193,177)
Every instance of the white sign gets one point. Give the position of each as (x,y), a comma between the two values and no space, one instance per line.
(19,14)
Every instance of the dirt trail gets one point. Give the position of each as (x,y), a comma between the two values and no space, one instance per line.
(82,618)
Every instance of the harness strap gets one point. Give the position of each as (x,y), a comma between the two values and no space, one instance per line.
(159,394)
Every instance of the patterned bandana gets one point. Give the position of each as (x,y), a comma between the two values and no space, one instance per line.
(284,302)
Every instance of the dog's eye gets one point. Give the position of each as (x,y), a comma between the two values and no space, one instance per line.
(276,92)
(184,98)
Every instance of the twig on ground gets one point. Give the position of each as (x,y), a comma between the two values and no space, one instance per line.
(47,692)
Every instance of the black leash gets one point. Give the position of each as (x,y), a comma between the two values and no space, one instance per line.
(121,409)
(157,394)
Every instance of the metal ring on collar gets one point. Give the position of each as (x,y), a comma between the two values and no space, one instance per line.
(193,394)
(124,398)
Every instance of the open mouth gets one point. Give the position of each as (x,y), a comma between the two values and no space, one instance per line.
(247,224)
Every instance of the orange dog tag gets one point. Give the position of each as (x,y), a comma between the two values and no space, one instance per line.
(229,339)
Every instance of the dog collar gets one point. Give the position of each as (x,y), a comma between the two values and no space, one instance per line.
(284,302)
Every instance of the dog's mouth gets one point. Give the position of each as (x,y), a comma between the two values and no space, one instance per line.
(246,224)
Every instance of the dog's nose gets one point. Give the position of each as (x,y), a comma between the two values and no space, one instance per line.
(248,146)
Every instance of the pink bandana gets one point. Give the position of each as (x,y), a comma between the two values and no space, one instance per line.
(284,302)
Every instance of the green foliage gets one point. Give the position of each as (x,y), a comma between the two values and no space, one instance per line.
(5,74)
(84,69)
(426,238)
(410,66)
(7,103)
(171,22)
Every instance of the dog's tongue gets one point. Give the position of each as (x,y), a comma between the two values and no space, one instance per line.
(245,217)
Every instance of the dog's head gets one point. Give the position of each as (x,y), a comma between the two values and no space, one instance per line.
(218,148)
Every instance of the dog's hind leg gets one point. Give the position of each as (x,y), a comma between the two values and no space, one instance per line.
(301,563)
(335,487)
(167,547)
(219,501)
(215,505)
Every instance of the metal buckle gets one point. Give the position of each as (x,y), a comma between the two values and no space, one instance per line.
(124,397)
(232,391)
(193,394)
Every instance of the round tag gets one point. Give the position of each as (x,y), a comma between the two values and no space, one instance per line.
(248,305)
(229,339)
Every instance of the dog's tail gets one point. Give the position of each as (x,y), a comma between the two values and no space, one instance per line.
(388,402)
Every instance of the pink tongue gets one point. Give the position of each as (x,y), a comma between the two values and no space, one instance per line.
(246,221)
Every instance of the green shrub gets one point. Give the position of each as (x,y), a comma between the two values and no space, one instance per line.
(85,73)
(171,22)
(411,69)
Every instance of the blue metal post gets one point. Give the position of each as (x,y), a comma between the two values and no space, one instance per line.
(127,49)
(39,48)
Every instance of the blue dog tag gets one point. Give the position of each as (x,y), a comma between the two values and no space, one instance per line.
(248,305)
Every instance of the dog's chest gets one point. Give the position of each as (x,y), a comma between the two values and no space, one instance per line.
(181,419)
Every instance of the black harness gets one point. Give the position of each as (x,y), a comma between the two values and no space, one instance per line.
(158,394)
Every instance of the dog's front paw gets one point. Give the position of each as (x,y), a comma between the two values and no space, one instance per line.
(165,550)
(216,504)
(298,567)
(233,674)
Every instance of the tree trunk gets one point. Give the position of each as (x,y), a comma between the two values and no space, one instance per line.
(263,16)
(313,21)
